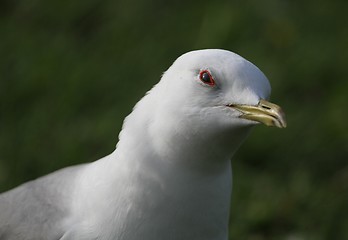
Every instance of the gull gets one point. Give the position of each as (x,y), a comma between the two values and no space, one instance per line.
(170,174)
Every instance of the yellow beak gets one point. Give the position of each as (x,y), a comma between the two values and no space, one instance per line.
(264,112)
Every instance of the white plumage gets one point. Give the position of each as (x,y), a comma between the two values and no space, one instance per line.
(170,175)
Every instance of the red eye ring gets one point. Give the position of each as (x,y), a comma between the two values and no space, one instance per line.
(206,78)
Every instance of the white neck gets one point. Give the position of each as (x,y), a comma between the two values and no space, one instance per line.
(189,194)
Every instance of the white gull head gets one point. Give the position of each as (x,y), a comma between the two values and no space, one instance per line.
(195,108)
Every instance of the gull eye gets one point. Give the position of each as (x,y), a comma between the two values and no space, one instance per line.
(206,77)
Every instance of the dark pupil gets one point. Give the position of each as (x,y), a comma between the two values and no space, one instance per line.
(205,77)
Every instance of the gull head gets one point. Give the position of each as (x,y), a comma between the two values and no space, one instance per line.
(219,88)
(207,95)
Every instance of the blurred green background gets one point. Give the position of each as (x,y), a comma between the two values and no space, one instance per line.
(70,71)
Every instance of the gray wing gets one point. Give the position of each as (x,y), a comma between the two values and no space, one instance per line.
(35,210)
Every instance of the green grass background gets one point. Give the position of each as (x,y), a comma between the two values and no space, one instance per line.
(70,71)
